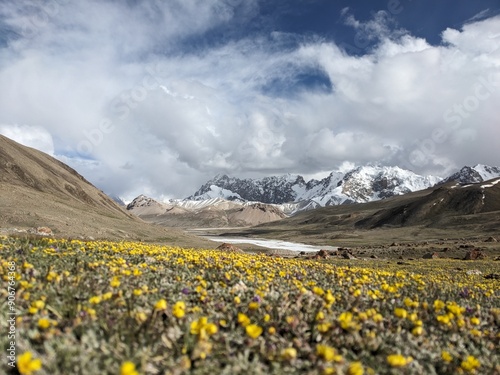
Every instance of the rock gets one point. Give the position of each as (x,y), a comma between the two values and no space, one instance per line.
(41,231)
(347,255)
(494,276)
(475,255)
(229,248)
(466,246)
(322,254)
(491,239)
(373,256)
(474,272)
(431,256)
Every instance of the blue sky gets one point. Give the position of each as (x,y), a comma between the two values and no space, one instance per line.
(156,97)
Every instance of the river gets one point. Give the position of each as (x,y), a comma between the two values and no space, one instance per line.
(271,244)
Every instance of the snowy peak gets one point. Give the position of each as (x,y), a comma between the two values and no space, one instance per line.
(471,175)
(363,184)
(370,183)
(273,189)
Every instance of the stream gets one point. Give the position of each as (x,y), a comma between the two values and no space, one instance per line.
(271,244)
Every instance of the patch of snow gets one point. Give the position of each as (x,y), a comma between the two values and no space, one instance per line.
(493,183)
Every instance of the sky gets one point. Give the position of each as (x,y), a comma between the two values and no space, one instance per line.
(156,97)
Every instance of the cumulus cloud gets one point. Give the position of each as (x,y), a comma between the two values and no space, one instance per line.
(140,97)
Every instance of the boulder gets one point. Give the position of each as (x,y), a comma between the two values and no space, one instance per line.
(347,255)
(229,248)
(475,255)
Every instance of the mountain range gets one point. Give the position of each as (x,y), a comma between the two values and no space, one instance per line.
(359,185)
(230,202)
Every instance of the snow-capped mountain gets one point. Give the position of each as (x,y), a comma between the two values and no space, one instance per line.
(363,184)
(470,175)
(273,189)
(291,193)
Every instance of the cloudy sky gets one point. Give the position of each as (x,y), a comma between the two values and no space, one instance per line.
(156,97)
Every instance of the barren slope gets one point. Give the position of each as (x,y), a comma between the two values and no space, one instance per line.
(38,190)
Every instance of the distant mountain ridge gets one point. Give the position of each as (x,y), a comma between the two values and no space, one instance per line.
(219,197)
(362,184)
(215,212)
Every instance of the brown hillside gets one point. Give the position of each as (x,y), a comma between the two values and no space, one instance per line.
(36,190)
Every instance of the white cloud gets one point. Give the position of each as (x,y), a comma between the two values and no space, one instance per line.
(31,136)
(136,111)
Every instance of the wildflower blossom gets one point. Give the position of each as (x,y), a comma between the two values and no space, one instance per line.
(289,354)
(26,365)
(179,309)
(128,368)
(161,304)
(470,364)
(253,330)
(398,360)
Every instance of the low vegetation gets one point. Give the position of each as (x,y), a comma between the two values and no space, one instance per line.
(133,308)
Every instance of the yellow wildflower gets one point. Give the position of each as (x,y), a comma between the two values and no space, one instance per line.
(417,330)
(400,313)
(324,327)
(128,368)
(115,282)
(26,365)
(253,330)
(444,319)
(475,321)
(39,304)
(43,323)
(107,296)
(318,291)
(253,305)
(179,309)
(439,305)
(320,315)
(398,360)
(289,353)
(95,300)
(327,353)
(470,363)
(161,304)
(355,368)
(243,319)
(446,356)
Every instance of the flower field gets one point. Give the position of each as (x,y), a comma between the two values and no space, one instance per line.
(135,308)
